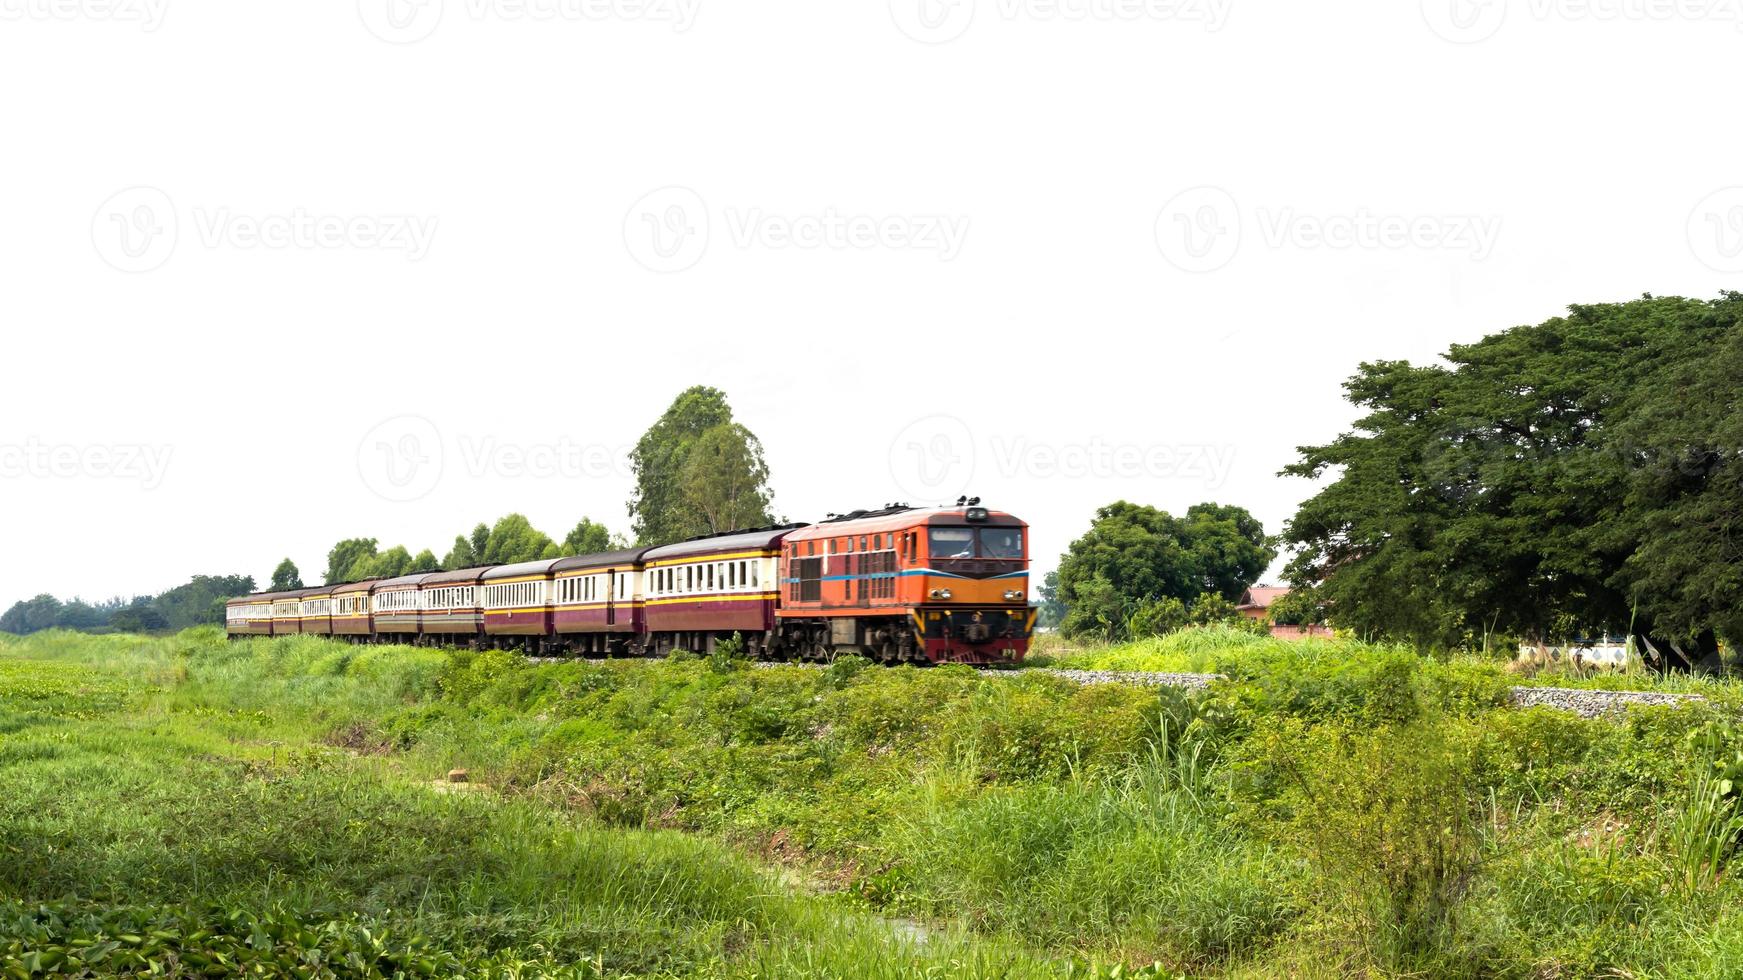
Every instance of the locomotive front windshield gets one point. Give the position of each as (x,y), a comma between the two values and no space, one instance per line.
(968,542)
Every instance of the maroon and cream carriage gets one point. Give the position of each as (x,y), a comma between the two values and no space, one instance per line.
(287,612)
(249,615)
(516,600)
(698,592)
(597,602)
(351,612)
(394,604)
(452,614)
(317,610)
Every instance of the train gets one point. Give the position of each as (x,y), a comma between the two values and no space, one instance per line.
(901,584)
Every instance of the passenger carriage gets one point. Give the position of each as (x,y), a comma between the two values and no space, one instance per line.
(248,616)
(316,614)
(451,610)
(287,613)
(597,603)
(352,616)
(516,601)
(702,591)
(394,606)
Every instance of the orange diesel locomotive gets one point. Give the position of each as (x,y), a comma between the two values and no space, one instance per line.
(942,585)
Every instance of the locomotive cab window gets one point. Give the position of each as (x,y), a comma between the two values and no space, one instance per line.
(968,542)
(952,542)
(1001,542)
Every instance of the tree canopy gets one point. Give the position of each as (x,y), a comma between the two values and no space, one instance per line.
(697,472)
(589,538)
(1576,476)
(286,577)
(1135,554)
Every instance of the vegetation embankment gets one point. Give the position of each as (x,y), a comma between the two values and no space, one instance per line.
(1369,813)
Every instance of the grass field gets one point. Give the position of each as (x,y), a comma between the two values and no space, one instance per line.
(1331,810)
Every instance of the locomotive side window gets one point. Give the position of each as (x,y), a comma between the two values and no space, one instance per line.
(810,575)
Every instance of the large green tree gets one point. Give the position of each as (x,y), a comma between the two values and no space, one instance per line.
(512,539)
(589,538)
(286,577)
(1580,474)
(725,480)
(348,561)
(1135,554)
(678,497)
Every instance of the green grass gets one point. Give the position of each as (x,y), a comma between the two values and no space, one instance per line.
(1331,809)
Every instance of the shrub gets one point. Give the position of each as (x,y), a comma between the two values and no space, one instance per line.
(1387,819)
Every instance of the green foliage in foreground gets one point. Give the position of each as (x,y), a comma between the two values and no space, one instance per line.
(1335,810)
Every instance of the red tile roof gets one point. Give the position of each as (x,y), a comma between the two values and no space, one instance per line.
(1261,596)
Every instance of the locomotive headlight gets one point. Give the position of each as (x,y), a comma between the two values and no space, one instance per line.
(943,594)
(1013,596)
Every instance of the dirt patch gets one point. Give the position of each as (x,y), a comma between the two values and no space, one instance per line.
(359,739)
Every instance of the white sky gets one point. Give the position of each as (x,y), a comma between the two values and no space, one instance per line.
(1024,287)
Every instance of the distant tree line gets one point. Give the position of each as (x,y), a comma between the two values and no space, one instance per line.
(511,539)
(196,603)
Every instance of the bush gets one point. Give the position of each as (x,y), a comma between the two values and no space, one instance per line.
(1386,816)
